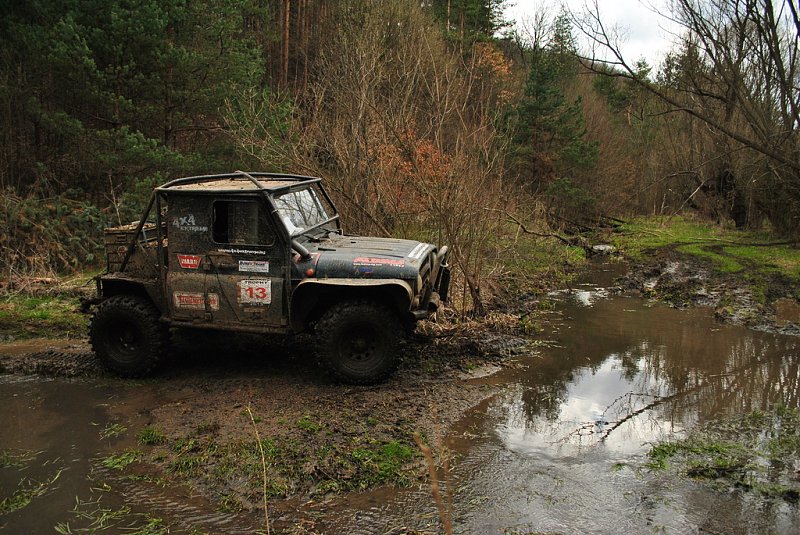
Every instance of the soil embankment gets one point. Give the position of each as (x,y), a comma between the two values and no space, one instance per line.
(748,297)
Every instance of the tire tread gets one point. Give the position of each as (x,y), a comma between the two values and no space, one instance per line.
(148,317)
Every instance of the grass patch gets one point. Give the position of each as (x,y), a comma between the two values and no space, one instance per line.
(26,491)
(23,316)
(120,461)
(92,517)
(112,430)
(294,465)
(756,453)
(307,424)
(151,436)
(532,263)
(381,464)
(15,459)
(725,249)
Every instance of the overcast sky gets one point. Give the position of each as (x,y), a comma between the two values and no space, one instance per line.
(645,30)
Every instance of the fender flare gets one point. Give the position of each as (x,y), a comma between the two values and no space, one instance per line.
(310,293)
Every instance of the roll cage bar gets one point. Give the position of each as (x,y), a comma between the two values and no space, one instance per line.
(293,183)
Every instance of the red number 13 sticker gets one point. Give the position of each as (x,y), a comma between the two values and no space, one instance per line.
(255,292)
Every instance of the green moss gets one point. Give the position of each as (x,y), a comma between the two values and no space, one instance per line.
(722,263)
(725,249)
(776,259)
(736,452)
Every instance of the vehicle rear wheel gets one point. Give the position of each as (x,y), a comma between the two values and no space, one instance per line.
(359,341)
(127,336)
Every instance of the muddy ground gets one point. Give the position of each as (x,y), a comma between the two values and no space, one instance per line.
(766,303)
(196,423)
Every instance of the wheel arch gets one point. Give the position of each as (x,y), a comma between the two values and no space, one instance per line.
(110,287)
(312,297)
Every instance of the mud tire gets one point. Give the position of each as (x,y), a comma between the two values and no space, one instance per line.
(127,336)
(359,342)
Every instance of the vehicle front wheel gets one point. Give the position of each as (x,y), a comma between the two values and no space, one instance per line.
(127,336)
(359,341)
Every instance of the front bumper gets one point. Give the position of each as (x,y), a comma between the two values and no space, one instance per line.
(441,284)
(440,288)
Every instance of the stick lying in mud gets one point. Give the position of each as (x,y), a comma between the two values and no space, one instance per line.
(263,467)
(444,512)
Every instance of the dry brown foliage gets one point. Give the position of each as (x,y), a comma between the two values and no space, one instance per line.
(402,127)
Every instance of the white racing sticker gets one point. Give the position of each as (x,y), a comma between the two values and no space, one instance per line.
(188,224)
(254,266)
(255,292)
(365,261)
(417,251)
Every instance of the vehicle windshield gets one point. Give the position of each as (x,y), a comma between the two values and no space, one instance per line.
(300,210)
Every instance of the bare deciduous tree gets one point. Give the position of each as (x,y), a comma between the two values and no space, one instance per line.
(401,126)
(736,70)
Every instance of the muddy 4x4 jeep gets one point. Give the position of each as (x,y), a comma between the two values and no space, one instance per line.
(260,253)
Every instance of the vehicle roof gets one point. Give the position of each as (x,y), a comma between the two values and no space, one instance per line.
(238,182)
(228,184)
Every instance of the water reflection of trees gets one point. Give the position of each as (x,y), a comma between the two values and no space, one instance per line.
(680,367)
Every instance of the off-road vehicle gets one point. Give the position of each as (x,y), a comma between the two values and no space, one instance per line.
(260,253)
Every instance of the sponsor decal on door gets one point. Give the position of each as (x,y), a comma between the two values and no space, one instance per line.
(254,266)
(195,301)
(189,261)
(189,300)
(188,224)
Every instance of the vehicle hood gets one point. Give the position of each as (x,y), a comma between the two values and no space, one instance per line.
(366,257)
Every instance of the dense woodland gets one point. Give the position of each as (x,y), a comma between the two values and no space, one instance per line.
(435,120)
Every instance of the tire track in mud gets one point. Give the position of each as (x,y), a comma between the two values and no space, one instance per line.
(52,363)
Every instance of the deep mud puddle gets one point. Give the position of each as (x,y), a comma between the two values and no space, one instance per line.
(63,446)
(563,449)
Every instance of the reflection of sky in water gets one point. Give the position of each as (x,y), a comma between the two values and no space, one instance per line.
(586,296)
(594,402)
(622,374)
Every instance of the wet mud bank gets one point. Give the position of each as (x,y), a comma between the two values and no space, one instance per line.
(749,297)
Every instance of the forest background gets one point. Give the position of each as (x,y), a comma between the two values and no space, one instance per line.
(434,120)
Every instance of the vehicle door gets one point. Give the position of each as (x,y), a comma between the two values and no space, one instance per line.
(248,265)
(188,224)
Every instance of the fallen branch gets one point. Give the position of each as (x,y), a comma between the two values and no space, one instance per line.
(577,241)
(263,468)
